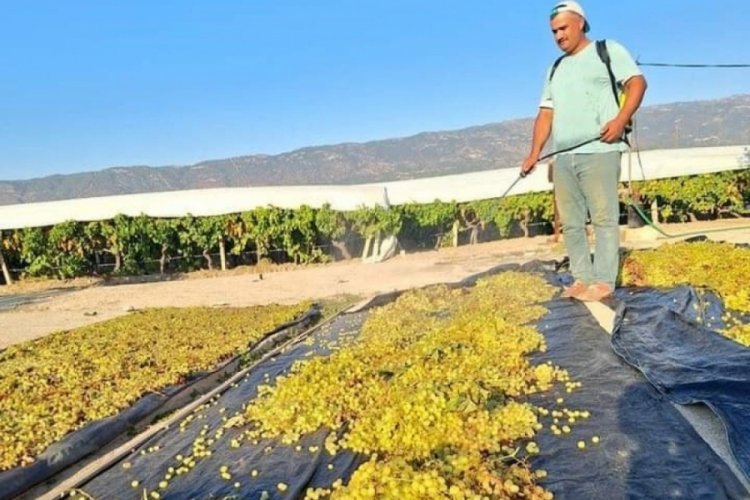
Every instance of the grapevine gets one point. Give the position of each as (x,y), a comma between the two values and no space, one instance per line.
(134,245)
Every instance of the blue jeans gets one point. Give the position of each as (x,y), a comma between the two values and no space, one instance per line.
(587,184)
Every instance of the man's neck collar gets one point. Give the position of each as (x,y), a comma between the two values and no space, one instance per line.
(584,43)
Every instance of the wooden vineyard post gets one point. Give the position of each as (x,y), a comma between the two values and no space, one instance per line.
(6,271)
(556,220)
(223,254)
(556,214)
(366,250)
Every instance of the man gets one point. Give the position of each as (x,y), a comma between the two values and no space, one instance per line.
(578,105)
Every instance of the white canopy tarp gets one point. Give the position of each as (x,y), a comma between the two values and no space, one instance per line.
(460,188)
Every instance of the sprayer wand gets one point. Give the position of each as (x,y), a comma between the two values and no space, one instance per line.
(549,155)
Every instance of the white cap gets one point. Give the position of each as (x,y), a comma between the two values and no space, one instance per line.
(570,7)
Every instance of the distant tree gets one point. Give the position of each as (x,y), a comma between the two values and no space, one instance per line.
(299,235)
(373,222)
(425,221)
(125,238)
(104,237)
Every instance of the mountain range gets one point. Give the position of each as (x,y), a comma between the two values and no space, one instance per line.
(719,122)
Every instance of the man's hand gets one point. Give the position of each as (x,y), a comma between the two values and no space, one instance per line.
(528,164)
(613,131)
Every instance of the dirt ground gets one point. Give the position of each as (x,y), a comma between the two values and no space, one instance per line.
(97,301)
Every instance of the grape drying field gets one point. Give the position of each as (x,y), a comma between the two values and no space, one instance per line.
(489,388)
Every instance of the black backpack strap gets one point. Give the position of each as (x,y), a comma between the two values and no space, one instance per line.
(601,49)
(555,65)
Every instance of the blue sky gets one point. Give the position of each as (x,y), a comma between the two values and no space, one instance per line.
(96,84)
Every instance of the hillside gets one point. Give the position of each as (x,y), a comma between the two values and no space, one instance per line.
(498,145)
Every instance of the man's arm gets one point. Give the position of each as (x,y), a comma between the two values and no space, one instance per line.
(542,129)
(635,88)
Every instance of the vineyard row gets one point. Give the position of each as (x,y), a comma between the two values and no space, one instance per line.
(138,245)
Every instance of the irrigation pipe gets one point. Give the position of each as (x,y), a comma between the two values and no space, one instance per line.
(649,222)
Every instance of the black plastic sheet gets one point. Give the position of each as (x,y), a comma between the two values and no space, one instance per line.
(689,362)
(274,462)
(647,449)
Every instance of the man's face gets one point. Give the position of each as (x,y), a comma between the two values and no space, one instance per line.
(567,28)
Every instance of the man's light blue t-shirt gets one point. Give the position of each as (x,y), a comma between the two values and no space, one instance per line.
(581,97)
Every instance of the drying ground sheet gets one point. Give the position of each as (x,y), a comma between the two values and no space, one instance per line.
(646,448)
(664,335)
(426,399)
(369,415)
(180,456)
